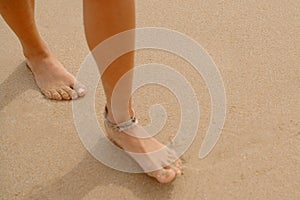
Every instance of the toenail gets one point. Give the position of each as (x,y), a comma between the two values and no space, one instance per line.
(81,91)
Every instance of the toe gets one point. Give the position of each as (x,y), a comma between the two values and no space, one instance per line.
(64,94)
(47,94)
(55,95)
(73,94)
(165,175)
(174,162)
(178,164)
(80,89)
(176,169)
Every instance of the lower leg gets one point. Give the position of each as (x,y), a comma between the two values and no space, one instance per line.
(104,19)
(50,75)
(19,15)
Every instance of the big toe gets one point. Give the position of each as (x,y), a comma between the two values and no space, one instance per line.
(79,88)
(72,93)
(163,175)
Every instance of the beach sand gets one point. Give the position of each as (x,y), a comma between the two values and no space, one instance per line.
(256,46)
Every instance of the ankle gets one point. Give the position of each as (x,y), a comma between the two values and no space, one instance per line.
(37,59)
(40,51)
(119,116)
(36,55)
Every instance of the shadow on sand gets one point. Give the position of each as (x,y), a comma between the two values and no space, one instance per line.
(16,84)
(90,174)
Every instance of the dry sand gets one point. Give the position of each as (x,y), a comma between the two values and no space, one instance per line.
(255,44)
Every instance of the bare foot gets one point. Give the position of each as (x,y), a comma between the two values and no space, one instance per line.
(54,81)
(164,165)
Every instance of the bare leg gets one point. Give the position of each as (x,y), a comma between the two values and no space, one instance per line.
(104,19)
(51,77)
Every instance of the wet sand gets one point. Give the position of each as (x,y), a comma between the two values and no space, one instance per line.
(256,46)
